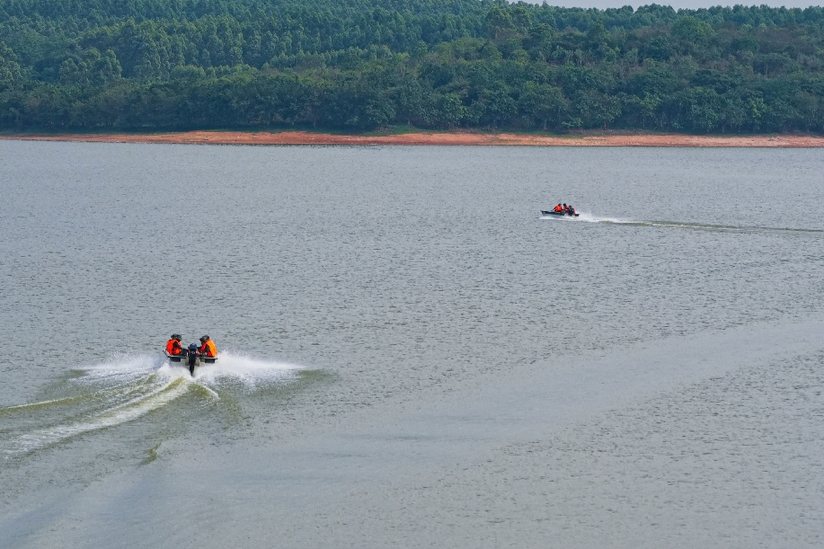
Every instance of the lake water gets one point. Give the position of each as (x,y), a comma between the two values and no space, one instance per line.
(411,356)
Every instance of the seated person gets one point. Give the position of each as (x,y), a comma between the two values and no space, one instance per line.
(207,347)
(173,347)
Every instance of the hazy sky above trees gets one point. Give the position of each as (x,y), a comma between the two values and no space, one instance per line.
(677,4)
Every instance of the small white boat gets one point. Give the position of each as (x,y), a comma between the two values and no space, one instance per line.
(551,213)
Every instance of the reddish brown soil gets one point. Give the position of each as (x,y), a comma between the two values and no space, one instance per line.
(445,138)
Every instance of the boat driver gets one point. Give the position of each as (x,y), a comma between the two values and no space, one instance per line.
(173,347)
(207,347)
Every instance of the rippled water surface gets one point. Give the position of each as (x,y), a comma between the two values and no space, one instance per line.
(410,354)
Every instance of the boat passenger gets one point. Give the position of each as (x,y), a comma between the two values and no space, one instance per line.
(173,347)
(570,210)
(559,209)
(207,347)
(566,209)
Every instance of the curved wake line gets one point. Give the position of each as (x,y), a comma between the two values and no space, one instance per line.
(108,395)
(126,388)
(123,413)
(44,403)
(589,218)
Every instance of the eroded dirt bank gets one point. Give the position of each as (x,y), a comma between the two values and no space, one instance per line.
(445,138)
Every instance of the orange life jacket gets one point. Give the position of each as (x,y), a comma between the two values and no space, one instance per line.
(558,208)
(173,347)
(208,348)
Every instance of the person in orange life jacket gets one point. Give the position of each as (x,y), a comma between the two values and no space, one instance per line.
(173,347)
(207,347)
(559,209)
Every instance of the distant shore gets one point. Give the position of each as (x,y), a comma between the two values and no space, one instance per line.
(441,138)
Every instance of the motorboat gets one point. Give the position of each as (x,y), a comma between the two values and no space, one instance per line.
(191,358)
(551,213)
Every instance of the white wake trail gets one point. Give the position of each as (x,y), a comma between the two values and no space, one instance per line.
(126,388)
(127,411)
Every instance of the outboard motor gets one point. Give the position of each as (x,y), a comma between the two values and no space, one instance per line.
(191,358)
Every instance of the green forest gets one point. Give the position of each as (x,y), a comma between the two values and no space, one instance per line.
(361,65)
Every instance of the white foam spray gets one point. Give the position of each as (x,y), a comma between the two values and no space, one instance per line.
(247,370)
(588,217)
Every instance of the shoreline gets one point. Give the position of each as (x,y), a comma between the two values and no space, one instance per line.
(212,137)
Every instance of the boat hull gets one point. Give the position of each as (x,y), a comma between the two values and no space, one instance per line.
(549,213)
(183,360)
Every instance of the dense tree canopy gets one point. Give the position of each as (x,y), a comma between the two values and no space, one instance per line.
(362,64)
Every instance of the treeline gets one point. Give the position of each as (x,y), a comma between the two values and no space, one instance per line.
(363,64)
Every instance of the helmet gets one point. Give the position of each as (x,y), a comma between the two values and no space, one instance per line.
(204,338)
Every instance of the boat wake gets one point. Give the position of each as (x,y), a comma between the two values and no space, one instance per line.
(124,389)
(590,218)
